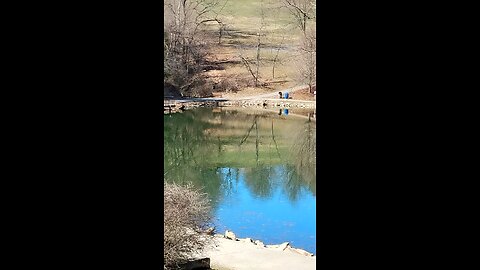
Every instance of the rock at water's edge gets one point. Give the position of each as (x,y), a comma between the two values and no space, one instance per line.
(283,246)
(248,240)
(230,235)
(210,231)
(301,251)
(259,243)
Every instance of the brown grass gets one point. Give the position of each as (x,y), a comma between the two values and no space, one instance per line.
(240,38)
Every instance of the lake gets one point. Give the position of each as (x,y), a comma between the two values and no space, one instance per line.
(256,165)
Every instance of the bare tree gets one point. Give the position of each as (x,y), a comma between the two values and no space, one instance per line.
(275,58)
(185,45)
(302,11)
(280,29)
(309,56)
(246,63)
(253,68)
(260,34)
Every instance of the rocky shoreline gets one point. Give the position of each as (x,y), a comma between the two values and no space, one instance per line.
(286,245)
(232,253)
(173,106)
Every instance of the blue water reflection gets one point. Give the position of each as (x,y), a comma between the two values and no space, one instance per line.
(273,219)
(257,167)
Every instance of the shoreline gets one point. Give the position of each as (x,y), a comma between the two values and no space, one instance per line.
(231,253)
(178,105)
(271,100)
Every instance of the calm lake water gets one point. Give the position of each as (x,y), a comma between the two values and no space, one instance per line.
(257,166)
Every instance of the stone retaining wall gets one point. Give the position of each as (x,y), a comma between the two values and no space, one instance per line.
(281,103)
(176,106)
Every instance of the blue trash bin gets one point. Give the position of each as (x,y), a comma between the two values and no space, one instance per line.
(286,95)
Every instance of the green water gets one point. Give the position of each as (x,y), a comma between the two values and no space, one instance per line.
(258,168)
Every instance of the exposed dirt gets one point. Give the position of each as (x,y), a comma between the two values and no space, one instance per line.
(303,94)
(250,92)
(228,78)
(232,79)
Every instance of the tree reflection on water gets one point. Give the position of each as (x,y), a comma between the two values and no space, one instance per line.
(304,156)
(268,149)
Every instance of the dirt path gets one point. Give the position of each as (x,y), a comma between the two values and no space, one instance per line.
(245,96)
(240,96)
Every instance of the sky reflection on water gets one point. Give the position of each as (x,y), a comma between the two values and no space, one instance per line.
(273,219)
